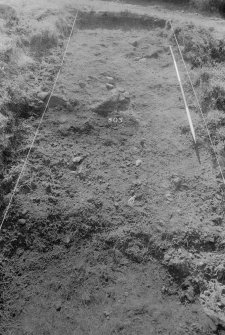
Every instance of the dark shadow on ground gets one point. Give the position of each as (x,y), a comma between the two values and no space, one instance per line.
(171,5)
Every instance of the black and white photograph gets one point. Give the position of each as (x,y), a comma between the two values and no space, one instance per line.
(112,167)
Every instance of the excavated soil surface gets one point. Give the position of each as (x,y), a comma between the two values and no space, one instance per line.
(113,189)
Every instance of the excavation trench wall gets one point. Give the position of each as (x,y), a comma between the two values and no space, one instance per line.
(120,20)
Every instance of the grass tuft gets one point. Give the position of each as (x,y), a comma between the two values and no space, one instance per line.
(199,46)
(43,40)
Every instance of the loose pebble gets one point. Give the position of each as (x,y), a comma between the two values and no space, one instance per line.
(138,162)
(110,80)
(109,86)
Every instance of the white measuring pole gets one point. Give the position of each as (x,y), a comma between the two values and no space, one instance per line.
(183,94)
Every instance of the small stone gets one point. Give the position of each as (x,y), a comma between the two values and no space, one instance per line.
(86,298)
(209,239)
(131,201)
(135,44)
(20,252)
(57,101)
(121,89)
(190,295)
(154,54)
(106,313)
(82,85)
(137,182)
(43,95)
(69,106)
(136,59)
(110,80)
(22,221)
(142,142)
(107,106)
(138,162)
(222,303)
(24,212)
(67,240)
(169,196)
(218,196)
(109,86)
(177,182)
(126,95)
(58,305)
(116,204)
(122,98)
(77,160)
(163,289)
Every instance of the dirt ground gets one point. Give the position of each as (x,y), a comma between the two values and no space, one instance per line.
(117,225)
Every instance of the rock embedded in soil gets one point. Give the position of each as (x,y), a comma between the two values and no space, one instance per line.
(108,105)
(82,85)
(110,80)
(138,162)
(22,221)
(24,212)
(169,197)
(142,142)
(77,159)
(135,44)
(20,252)
(67,240)
(109,86)
(58,101)
(122,98)
(58,305)
(126,95)
(43,95)
(155,54)
(107,313)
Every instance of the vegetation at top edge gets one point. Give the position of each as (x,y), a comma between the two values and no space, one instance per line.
(203,5)
(199,46)
(209,5)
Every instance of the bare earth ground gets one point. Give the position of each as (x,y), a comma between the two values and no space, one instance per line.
(117,221)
